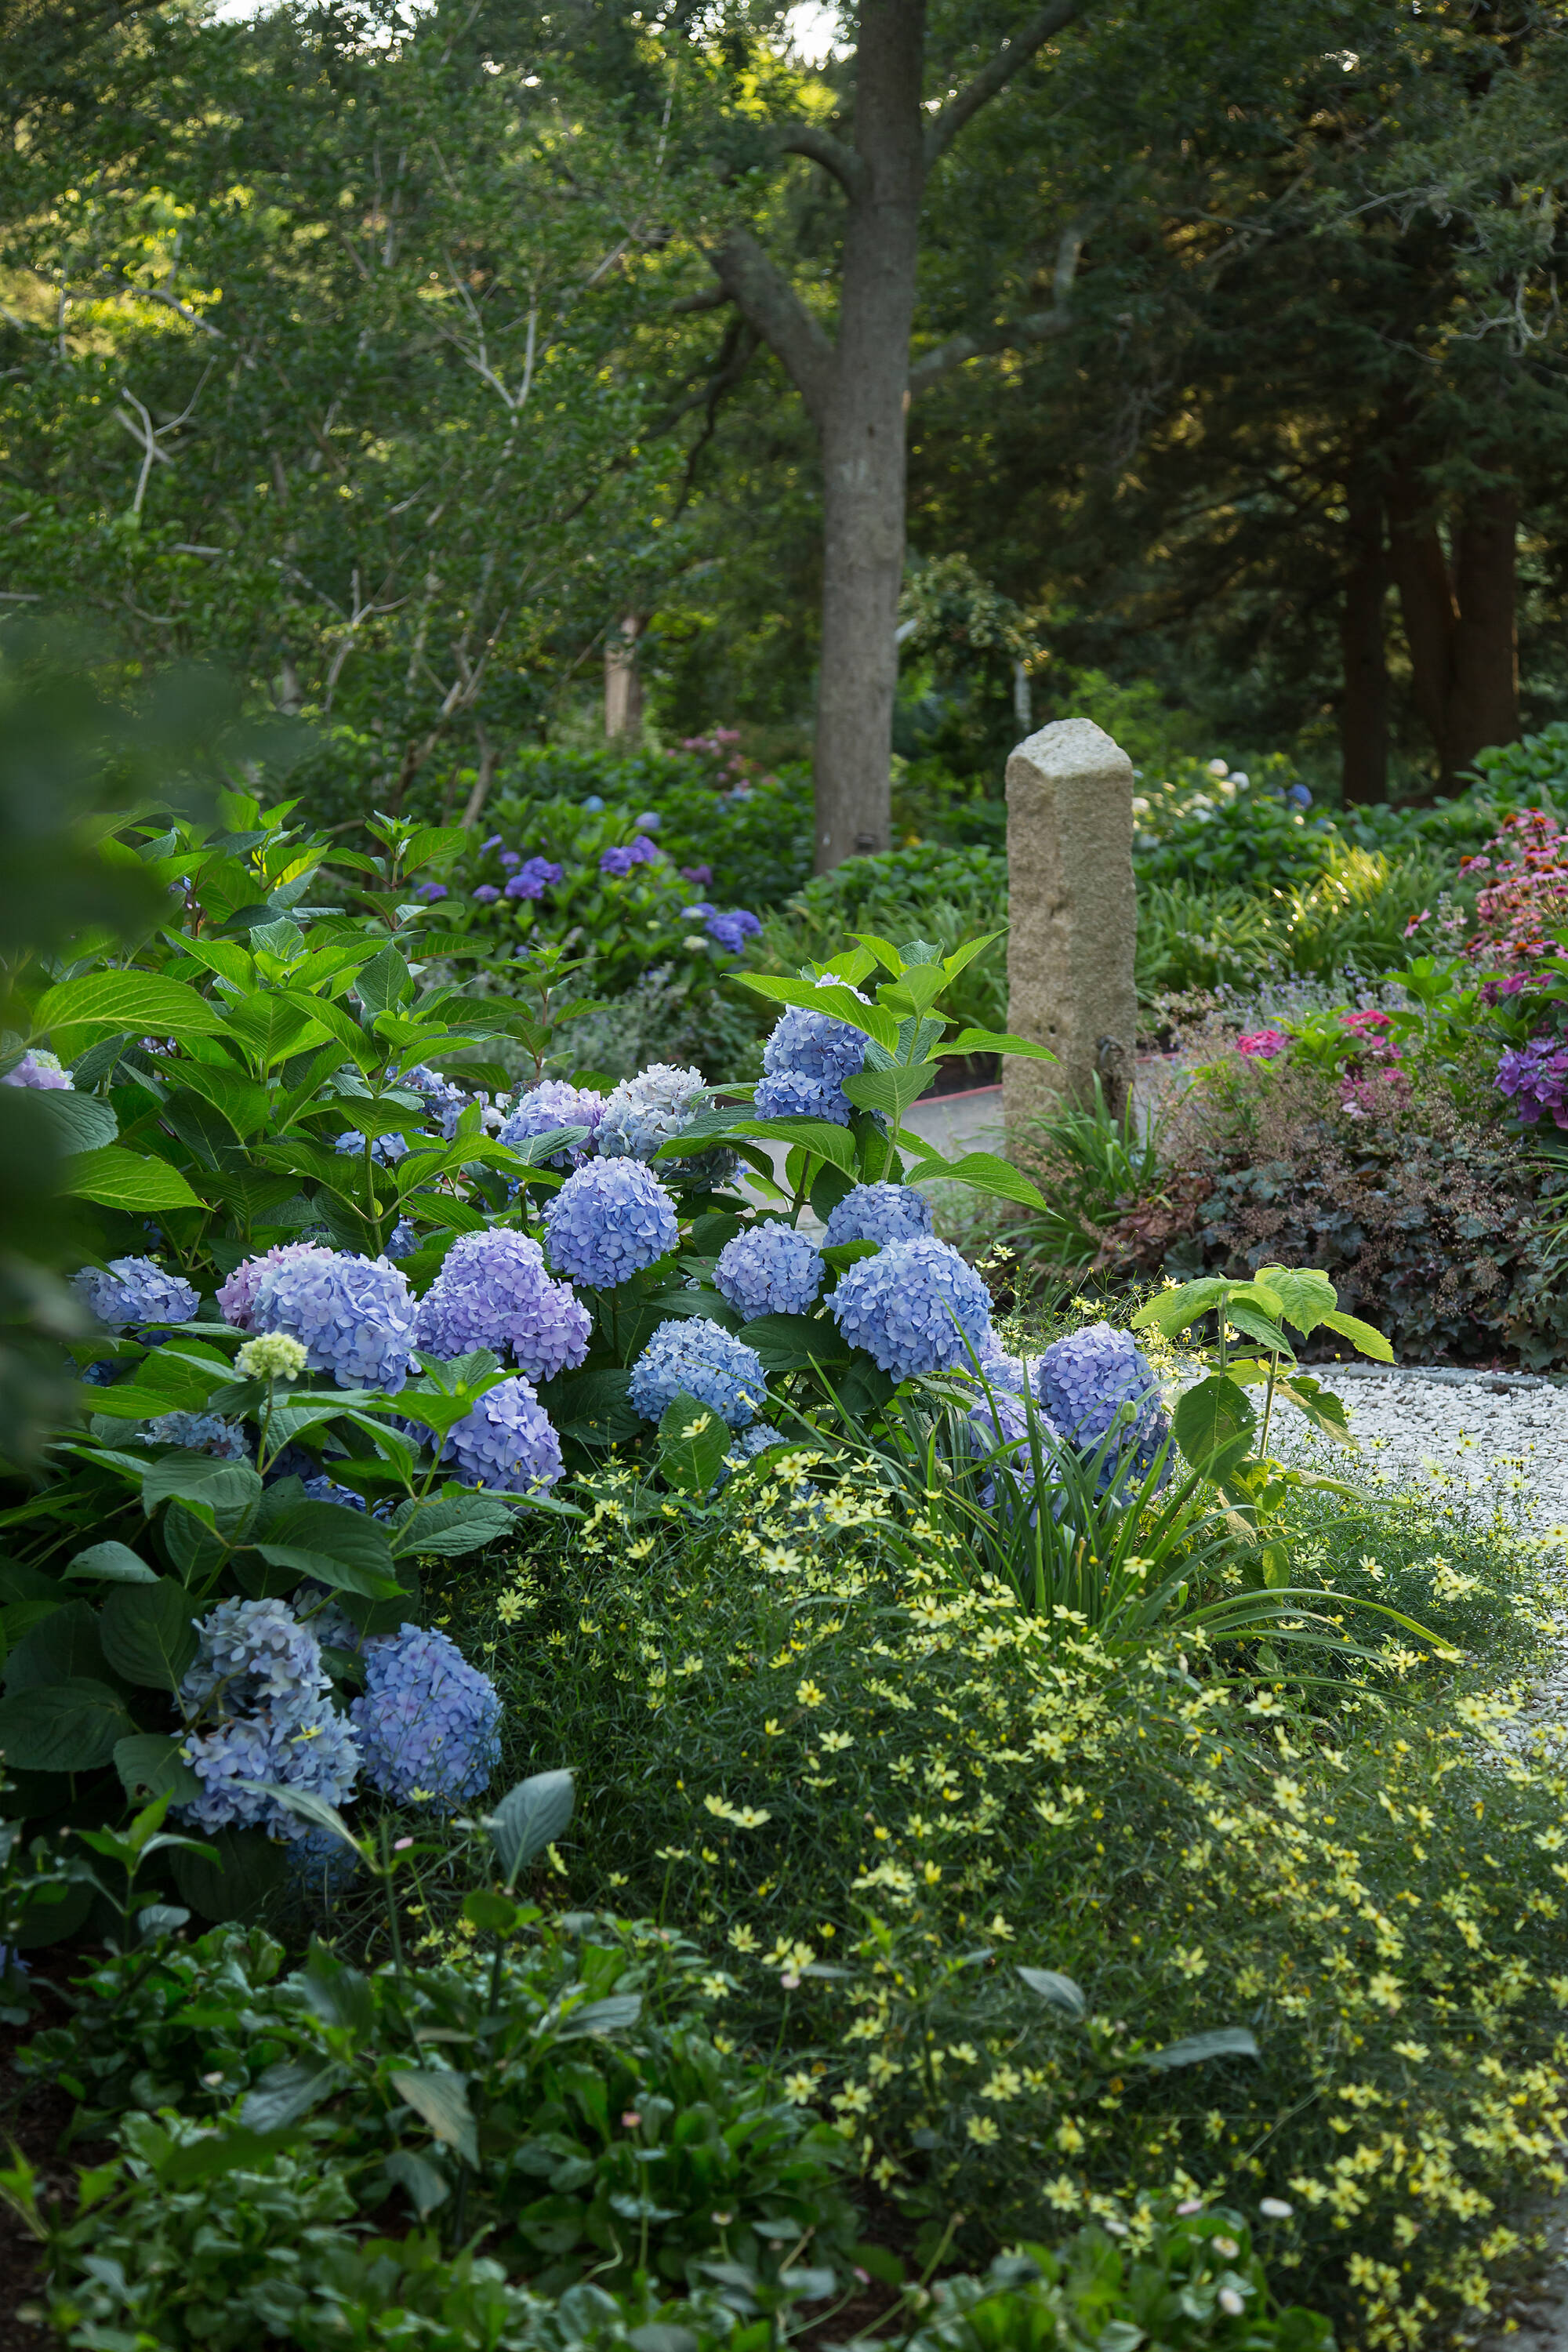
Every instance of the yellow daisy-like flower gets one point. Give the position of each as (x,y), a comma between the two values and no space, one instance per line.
(983,2130)
(809,1695)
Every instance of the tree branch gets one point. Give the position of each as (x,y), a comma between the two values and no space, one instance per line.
(713,297)
(820,146)
(995,76)
(934,364)
(767,299)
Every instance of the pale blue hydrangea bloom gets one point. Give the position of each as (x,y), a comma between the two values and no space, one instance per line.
(645,1111)
(748,1444)
(880,1214)
(688,1356)
(770,1269)
(428,1722)
(790,1093)
(915,1308)
(261,1671)
(322,1489)
(1095,1379)
(40,1071)
(353,1315)
(235,1297)
(135,1290)
(493,1292)
(550,1105)
(199,1433)
(448,1102)
(805,1062)
(387,1151)
(403,1241)
(609,1220)
(251,1651)
(508,1440)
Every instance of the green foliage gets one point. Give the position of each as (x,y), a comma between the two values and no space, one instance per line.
(930,892)
(1090,1164)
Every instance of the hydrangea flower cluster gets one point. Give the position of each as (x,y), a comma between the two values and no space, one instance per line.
(643,1112)
(548,1106)
(508,1440)
(619,862)
(532,879)
(1095,1378)
(401,1243)
(322,1489)
(448,1102)
(354,1315)
(430,1722)
(1534,1078)
(805,1062)
(728,928)
(609,1220)
(135,1290)
(880,1213)
(387,1151)
(770,1269)
(273,1357)
(198,1432)
(40,1071)
(916,1307)
(260,1671)
(492,1292)
(690,1355)
(236,1296)
(748,1444)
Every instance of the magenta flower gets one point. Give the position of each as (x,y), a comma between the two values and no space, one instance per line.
(1263,1044)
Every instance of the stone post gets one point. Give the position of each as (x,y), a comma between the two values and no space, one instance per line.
(1073,920)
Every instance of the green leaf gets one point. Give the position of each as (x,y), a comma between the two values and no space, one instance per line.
(118,1178)
(819,1136)
(240,1880)
(111,1563)
(692,1442)
(142,1001)
(985,1173)
(1321,1407)
(307,1807)
(1059,1991)
(229,1489)
(420,2182)
(147,1633)
(1305,1294)
(788,1343)
(384,981)
(339,1547)
(149,1764)
(441,2101)
(996,1041)
(1224,2042)
(530,1817)
(594,1408)
(914,990)
(1259,1327)
(841,1002)
(430,843)
(892,1091)
(609,2016)
(1360,1334)
(285,2093)
(446,1528)
(78,1122)
(1213,1421)
(1172,1310)
(69,1727)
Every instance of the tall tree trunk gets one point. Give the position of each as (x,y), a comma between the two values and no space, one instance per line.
(623,682)
(863,440)
(1460,623)
(1364,702)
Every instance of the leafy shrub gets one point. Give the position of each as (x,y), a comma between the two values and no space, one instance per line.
(931,892)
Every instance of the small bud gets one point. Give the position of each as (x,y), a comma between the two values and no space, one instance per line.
(273,1357)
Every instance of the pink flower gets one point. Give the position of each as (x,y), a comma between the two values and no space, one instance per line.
(1415,922)
(1263,1044)
(1361,1022)
(631,2119)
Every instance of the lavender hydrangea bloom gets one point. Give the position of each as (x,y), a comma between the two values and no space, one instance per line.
(236,1296)
(643,1112)
(731,931)
(619,862)
(40,1071)
(507,1441)
(135,1290)
(608,1220)
(533,879)
(492,1292)
(805,1062)
(428,1722)
(446,1098)
(688,1356)
(403,1241)
(354,1316)
(880,1214)
(198,1432)
(550,1105)
(509,858)
(770,1269)
(790,1093)
(1534,1078)
(916,1307)
(487,894)
(262,1670)
(431,891)
(387,1151)
(249,1652)
(1095,1378)
(322,1489)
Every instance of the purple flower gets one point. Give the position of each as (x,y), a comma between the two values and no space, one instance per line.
(493,843)
(917,1306)
(236,1295)
(619,862)
(261,1671)
(1097,1381)
(354,1316)
(387,1151)
(135,1290)
(40,1071)
(492,1292)
(769,1269)
(487,894)
(698,874)
(431,891)
(688,1356)
(510,858)
(428,1722)
(880,1214)
(550,1105)
(532,880)
(1534,1078)
(731,932)
(609,1220)
(790,1093)
(507,1441)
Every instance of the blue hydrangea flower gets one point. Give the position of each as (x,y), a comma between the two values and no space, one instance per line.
(915,1308)
(404,1241)
(508,1440)
(387,1151)
(353,1315)
(1092,1382)
(770,1269)
(688,1356)
(748,1444)
(199,1433)
(260,1672)
(1013,1373)
(645,1111)
(533,878)
(805,1062)
(790,1093)
(619,862)
(320,1488)
(492,1292)
(446,1100)
(551,1104)
(236,1296)
(731,930)
(252,1651)
(429,1723)
(608,1220)
(135,1290)
(40,1071)
(880,1214)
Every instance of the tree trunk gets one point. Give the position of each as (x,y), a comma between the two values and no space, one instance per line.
(863,440)
(1459,624)
(623,682)
(1364,702)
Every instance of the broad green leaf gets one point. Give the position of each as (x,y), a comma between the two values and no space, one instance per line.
(892,1091)
(692,1442)
(306,1806)
(149,1764)
(985,1173)
(420,2182)
(441,2101)
(915,990)
(593,1407)
(819,1136)
(788,1343)
(608,2016)
(1305,1294)
(148,1634)
(69,1727)
(245,1105)
(118,1178)
(286,2091)
(447,1529)
(1325,1411)
(1059,1991)
(954,964)
(339,1547)
(240,1880)
(384,981)
(881,951)
(430,843)
(229,1489)
(1210,1420)
(145,1003)
(1258,1326)
(996,1041)
(530,1817)
(76,1122)
(1171,1310)
(1224,2042)
(841,1002)
(1360,1334)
